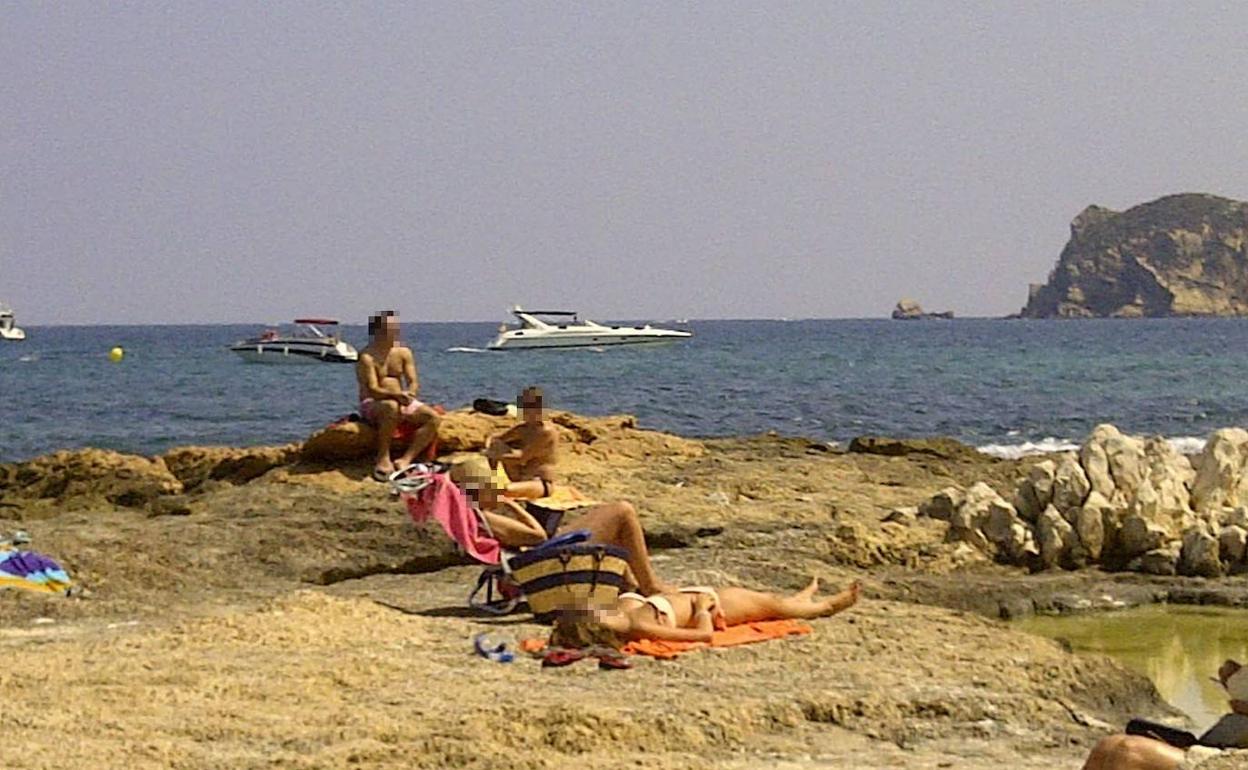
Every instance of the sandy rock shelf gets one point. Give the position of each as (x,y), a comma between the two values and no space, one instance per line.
(252,608)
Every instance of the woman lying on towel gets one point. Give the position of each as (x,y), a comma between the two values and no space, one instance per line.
(691,614)
(514,527)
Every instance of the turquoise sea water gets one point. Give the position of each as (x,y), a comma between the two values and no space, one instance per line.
(1002,384)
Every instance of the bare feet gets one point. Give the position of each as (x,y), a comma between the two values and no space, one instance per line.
(808,593)
(843,600)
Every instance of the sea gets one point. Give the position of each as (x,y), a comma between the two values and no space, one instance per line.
(1008,387)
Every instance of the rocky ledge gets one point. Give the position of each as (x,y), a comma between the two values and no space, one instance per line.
(1182,255)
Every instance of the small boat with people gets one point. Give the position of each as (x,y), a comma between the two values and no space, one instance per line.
(9,330)
(309,345)
(546,329)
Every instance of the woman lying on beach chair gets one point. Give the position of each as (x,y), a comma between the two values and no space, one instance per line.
(514,527)
(691,614)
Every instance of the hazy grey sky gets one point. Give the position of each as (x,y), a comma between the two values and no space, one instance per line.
(213,161)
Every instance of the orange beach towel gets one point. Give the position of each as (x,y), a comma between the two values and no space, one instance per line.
(744,633)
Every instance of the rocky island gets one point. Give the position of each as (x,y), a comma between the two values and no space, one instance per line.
(910,310)
(1181,255)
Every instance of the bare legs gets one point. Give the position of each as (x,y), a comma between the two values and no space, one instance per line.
(741,605)
(1133,752)
(532,489)
(617,524)
(387,416)
(426,422)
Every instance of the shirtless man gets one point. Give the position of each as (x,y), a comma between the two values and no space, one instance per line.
(386,373)
(528,451)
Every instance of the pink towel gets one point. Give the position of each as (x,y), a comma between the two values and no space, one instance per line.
(444,501)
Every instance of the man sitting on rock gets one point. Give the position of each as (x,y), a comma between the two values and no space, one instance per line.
(388,384)
(1149,746)
(528,451)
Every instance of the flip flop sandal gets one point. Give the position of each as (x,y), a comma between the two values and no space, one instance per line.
(380,475)
(560,658)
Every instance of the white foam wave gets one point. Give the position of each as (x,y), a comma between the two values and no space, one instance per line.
(1028,448)
(1187,445)
(467,350)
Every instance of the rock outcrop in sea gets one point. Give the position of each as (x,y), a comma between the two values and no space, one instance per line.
(1181,255)
(910,310)
(1124,502)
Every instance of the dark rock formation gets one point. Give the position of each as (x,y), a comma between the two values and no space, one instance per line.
(1182,255)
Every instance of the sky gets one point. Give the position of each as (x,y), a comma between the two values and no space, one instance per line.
(211,162)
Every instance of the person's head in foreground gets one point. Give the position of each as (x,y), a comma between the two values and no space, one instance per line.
(1234,677)
(532,408)
(477,479)
(582,627)
(384,326)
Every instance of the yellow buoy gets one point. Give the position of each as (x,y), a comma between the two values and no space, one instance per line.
(116,354)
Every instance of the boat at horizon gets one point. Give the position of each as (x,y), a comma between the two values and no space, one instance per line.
(535,333)
(9,330)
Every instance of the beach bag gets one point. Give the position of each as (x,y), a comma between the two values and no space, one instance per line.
(560,574)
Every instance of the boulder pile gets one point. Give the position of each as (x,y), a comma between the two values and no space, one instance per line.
(1124,502)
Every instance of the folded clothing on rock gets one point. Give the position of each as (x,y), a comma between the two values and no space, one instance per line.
(32,571)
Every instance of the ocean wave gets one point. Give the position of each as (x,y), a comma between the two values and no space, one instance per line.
(1028,448)
(467,350)
(1187,445)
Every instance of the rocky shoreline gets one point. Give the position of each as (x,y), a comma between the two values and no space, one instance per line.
(262,595)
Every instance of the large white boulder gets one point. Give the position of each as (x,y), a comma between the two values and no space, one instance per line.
(967,521)
(1095,461)
(942,504)
(1070,485)
(1220,481)
(1036,490)
(1089,523)
(1054,536)
(1127,464)
(1009,533)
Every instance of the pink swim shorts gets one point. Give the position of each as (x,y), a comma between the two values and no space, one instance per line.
(368,409)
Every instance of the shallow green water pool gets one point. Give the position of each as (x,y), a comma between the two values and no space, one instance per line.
(1178,647)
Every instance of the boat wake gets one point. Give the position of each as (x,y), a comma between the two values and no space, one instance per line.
(466,350)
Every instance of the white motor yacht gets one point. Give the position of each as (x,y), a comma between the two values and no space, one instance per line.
(8,326)
(534,332)
(307,347)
